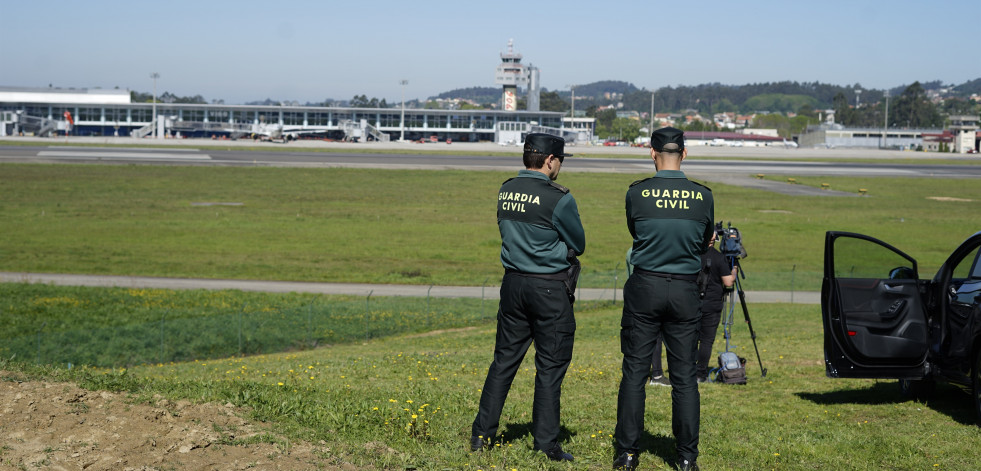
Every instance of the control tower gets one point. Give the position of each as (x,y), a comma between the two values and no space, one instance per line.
(511,73)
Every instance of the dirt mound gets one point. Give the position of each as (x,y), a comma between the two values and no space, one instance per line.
(61,426)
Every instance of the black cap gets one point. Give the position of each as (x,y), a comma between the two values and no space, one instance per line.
(541,143)
(668,140)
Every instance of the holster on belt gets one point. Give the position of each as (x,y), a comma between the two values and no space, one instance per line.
(703,277)
(573,275)
(569,277)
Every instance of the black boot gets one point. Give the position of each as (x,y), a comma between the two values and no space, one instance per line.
(626,460)
(478,443)
(555,453)
(687,465)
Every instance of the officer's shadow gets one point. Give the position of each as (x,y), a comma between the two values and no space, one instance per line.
(661,446)
(515,432)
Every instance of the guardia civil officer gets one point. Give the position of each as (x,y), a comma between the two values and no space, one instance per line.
(541,235)
(670,219)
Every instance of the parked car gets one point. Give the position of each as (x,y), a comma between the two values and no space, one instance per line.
(882,321)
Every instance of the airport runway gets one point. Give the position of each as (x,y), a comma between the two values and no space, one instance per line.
(622,160)
(717,164)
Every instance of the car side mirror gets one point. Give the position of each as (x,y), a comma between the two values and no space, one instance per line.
(902,273)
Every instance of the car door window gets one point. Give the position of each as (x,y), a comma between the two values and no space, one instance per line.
(961,297)
(965,280)
(858,258)
(874,309)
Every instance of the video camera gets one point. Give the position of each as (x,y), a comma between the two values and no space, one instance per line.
(730,241)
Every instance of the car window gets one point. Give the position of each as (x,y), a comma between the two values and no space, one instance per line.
(859,258)
(976,271)
(962,270)
(967,267)
(972,265)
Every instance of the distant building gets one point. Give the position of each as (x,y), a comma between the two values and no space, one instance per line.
(937,142)
(584,128)
(759,132)
(42,111)
(731,139)
(965,131)
(628,114)
(836,135)
(961,136)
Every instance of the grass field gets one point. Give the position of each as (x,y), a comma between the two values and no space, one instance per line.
(414,396)
(415,227)
(413,391)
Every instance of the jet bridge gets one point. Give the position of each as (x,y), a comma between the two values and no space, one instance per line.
(41,127)
(360,131)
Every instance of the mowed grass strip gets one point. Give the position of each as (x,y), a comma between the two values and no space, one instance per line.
(122,327)
(413,398)
(416,227)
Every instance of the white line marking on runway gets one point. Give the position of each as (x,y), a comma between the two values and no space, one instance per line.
(123,155)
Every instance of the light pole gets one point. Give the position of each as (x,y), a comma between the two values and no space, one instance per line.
(403,83)
(885,122)
(652,111)
(572,118)
(153,119)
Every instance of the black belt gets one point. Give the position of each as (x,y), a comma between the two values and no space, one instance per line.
(560,276)
(672,276)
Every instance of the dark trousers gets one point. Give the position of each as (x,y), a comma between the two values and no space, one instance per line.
(656,368)
(653,307)
(531,309)
(706,337)
(707,329)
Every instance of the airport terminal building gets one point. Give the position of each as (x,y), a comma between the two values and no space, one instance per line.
(961,136)
(101,112)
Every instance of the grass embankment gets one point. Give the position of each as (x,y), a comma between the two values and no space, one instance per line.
(412,399)
(415,227)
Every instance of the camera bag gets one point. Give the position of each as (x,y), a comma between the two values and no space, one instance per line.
(732,369)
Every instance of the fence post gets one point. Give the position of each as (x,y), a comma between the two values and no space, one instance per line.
(366,309)
(429,321)
(162,318)
(240,314)
(792,272)
(39,342)
(309,323)
(616,281)
(482,286)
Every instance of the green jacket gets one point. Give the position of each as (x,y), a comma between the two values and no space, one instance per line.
(539,224)
(671,221)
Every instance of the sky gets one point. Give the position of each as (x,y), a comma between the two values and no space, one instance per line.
(310,51)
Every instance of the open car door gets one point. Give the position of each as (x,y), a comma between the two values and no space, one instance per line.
(875,323)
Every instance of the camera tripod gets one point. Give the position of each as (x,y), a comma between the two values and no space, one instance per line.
(730,305)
